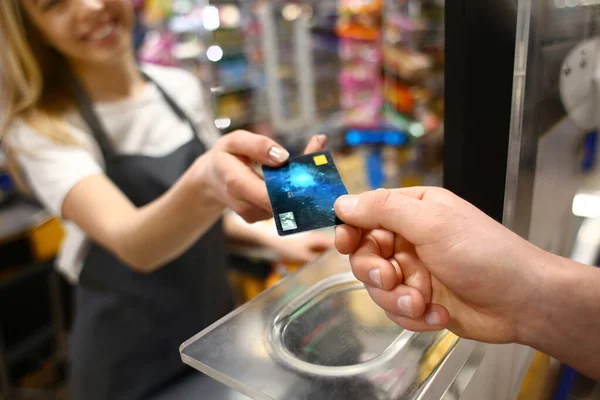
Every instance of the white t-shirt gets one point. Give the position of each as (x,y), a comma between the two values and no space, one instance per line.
(145,125)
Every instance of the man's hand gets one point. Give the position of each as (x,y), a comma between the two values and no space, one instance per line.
(432,261)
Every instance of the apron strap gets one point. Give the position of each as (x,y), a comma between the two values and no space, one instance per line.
(172,104)
(86,109)
(89,115)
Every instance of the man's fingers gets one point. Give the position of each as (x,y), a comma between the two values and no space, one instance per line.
(399,211)
(415,273)
(403,301)
(255,147)
(435,318)
(347,238)
(371,262)
(316,143)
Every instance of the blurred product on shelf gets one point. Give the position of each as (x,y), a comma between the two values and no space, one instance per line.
(156,11)
(207,40)
(7,187)
(372,66)
(413,65)
(391,85)
(352,167)
(158,48)
(361,91)
(410,65)
(232,72)
(360,19)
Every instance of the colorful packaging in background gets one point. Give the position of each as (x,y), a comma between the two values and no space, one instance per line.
(156,11)
(360,19)
(361,87)
(413,64)
(7,186)
(413,67)
(158,48)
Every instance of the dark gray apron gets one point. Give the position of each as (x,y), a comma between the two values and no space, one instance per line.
(129,325)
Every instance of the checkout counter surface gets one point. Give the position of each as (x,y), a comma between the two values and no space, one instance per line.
(19,217)
(318,335)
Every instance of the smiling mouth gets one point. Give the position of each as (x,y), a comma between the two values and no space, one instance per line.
(102,33)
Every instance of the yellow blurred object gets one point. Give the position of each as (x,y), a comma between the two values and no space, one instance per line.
(435,355)
(252,287)
(272,279)
(156,10)
(352,170)
(364,315)
(536,385)
(46,240)
(245,286)
(408,181)
(280,272)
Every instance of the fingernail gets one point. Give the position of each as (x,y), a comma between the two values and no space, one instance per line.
(433,319)
(375,276)
(322,139)
(405,305)
(278,154)
(347,203)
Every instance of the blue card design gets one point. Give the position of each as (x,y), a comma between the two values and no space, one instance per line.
(303,192)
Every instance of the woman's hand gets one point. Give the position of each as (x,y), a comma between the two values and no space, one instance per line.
(296,249)
(432,261)
(301,248)
(227,173)
(304,247)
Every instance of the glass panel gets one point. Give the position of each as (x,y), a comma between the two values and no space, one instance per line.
(554,119)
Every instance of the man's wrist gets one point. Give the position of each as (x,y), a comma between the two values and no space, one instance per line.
(543,268)
(546,315)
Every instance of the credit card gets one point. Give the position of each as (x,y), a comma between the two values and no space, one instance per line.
(303,191)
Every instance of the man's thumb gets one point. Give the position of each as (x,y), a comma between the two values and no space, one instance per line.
(383,208)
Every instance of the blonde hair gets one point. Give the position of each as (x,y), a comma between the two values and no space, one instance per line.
(34,80)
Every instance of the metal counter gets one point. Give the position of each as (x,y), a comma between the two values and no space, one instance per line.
(20,217)
(318,335)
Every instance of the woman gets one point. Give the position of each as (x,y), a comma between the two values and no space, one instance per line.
(122,155)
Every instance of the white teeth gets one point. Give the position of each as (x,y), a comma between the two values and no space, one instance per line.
(103,32)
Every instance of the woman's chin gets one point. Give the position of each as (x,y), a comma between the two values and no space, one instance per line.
(105,58)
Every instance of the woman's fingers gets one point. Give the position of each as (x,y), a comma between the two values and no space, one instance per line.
(254,147)
(248,211)
(239,181)
(316,143)
(435,318)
